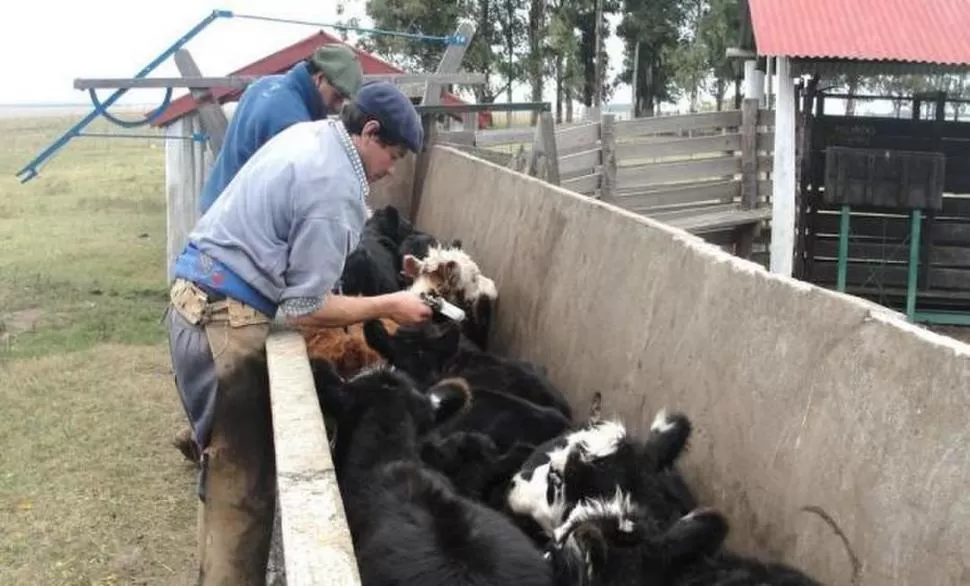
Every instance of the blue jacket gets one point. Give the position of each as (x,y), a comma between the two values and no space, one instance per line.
(268,106)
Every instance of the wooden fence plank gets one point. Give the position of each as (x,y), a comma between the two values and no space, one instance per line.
(504,136)
(585,136)
(720,220)
(465,137)
(317,543)
(683,213)
(694,192)
(585,184)
(581,161)
(497,157)
(656,124)
(696,170)
(766,118)
(682,146)
(766,141)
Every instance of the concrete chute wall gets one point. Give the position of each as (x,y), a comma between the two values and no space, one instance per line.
(801,397)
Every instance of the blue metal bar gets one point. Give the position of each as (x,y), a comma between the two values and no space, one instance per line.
(199,138)
(151,117)
(30,169)
(448,39)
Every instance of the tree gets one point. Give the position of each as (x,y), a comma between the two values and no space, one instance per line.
(653,25)
(536,59)
(439,19)
(512,30)
(563,44)
(584,18)
(720,28)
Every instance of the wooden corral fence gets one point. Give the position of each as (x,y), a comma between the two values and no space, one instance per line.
(706,173)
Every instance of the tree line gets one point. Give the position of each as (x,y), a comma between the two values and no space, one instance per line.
(679,47)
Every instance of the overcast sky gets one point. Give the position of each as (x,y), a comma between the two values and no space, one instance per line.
(50,43)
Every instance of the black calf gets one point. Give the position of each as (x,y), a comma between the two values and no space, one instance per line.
(408,524)
(375,266)
(613,542)
(438,350)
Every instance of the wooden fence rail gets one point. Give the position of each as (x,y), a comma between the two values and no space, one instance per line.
(316,540)
(707,173)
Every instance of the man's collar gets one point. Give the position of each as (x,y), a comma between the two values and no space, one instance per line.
(355,160)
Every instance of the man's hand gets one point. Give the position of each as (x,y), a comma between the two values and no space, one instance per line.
(406,308)
(403,307)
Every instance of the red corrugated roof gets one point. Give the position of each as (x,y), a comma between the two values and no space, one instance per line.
(929,31)
(282,61)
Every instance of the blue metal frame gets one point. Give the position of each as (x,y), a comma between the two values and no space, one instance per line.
(30,170)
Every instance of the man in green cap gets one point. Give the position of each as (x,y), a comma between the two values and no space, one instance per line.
(311,90)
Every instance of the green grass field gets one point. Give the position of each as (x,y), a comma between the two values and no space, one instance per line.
(91,492)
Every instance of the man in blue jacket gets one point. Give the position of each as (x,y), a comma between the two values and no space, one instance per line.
(272,247)
(311,90)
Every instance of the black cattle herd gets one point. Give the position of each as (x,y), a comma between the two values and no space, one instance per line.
(460,466)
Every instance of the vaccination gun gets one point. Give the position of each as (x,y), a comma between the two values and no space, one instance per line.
(439,304)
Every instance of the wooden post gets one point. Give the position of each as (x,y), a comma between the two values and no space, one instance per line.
(608,148)
(211,115)
(543,159)
(184,176)
(749,173)
(783,187)
(421,164)
(450,62)
(317,545)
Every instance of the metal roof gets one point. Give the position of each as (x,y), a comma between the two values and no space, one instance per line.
(926,31)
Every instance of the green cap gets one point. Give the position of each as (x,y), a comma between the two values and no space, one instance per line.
(340,65)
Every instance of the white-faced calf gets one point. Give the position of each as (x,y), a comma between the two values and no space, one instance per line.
(607,542)
(449,272)
(595,461)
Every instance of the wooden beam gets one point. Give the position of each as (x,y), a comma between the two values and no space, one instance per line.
(316,541)
(450,63)
(241,81)
(608,146)
(783,181)
(547,136)
(211,115)
(494,107)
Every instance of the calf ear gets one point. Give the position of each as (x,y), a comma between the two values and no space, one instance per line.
(666,441)
(591,541)
(329,387)
(698,534)
(376,336)
(456,243)
(412,266)
(393,220)
(449,398)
